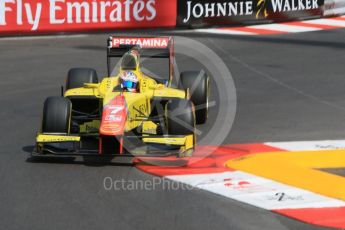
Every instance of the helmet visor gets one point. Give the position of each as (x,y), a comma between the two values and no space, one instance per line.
(129,84)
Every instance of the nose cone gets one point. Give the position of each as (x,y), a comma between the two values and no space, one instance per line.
(114,117)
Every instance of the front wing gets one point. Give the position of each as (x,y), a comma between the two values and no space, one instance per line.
(152,146)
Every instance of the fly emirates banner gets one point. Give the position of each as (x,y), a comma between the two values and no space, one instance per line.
(20,16)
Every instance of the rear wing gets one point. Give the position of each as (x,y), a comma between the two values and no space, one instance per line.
(150,47)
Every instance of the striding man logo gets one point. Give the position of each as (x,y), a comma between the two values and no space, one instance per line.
(262,9)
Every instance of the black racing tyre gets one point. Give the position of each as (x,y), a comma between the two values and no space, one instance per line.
(76,77)
(198,84)
(180,117)
(56,115)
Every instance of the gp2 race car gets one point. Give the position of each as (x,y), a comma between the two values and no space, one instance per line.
(129,114)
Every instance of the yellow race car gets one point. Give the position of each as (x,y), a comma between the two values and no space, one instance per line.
(130,113)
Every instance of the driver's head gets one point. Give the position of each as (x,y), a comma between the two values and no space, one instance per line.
(129,81)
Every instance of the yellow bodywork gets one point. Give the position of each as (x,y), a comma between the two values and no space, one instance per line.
(138,104)
(54,138)
(138,108)
(187,142)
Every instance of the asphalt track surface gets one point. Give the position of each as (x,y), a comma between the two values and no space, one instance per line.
(289,87)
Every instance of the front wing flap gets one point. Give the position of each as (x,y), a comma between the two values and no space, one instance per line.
(72,145)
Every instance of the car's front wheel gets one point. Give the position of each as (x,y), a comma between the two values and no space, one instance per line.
(56,115)
(180,117)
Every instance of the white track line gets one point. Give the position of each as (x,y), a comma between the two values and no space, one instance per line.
(224,31)
(309,145)
(256,191)
(327,22)
(284,28)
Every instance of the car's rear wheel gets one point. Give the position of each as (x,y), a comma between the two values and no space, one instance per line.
(197,82)
(56,115)
(77,77)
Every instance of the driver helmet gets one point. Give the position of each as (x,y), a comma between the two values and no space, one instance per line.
(129,81)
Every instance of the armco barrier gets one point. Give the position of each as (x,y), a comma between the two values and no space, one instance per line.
(56,16)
